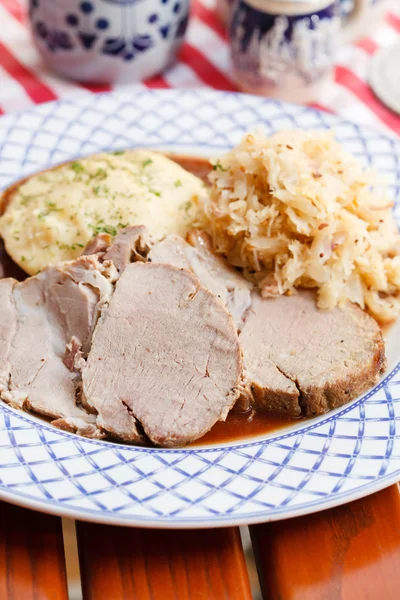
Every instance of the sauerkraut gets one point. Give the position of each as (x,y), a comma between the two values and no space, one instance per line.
(297,210)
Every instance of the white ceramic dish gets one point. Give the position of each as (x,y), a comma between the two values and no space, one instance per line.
(311,466)
(384,78)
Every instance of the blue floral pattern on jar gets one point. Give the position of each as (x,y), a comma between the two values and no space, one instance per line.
(86,26)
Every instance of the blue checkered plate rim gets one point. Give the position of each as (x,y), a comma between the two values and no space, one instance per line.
(328,461)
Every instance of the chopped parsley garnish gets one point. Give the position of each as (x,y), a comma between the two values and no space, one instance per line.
(23,259)
(100,173)
(177,183)
(118,152)
(99,228)
(96,190)
(147,162)
(69,247)
(77,167)
(25,199)
(158,194)
(51,207)
(187,205)
(218,167)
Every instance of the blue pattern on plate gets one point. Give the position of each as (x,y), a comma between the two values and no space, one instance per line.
(324,462)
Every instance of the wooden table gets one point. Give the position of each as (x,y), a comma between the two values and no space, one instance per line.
(347,553)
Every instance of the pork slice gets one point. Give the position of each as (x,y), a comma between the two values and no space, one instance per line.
(8,323)
(165,358)
(212,270)
(76,292)
(324,358)
(131,244)
(98,245)
(85,426)
(59,304)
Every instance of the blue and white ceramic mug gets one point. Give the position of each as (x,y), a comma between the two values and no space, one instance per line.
(349,9)
(285,48)
(111,41)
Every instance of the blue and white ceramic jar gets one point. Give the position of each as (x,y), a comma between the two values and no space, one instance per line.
(286,48)
(111,41)
(360,18)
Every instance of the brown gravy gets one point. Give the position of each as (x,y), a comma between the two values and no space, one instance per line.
(198,165)
(238,426)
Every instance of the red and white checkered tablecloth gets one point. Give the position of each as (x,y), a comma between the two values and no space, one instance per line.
(203,61)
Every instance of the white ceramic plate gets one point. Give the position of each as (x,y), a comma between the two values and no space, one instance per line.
(348,453)
(384,76)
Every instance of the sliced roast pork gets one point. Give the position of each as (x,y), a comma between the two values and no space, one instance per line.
(295,364)
(48,313)
(7,329)
(298,359)
(158,356)
(302,360)
(165,358)
(212,270)
(131,244)
(98,245)
(134,244)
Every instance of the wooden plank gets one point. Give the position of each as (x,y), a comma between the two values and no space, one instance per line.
(347,553)
(32,564)
(121,563)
